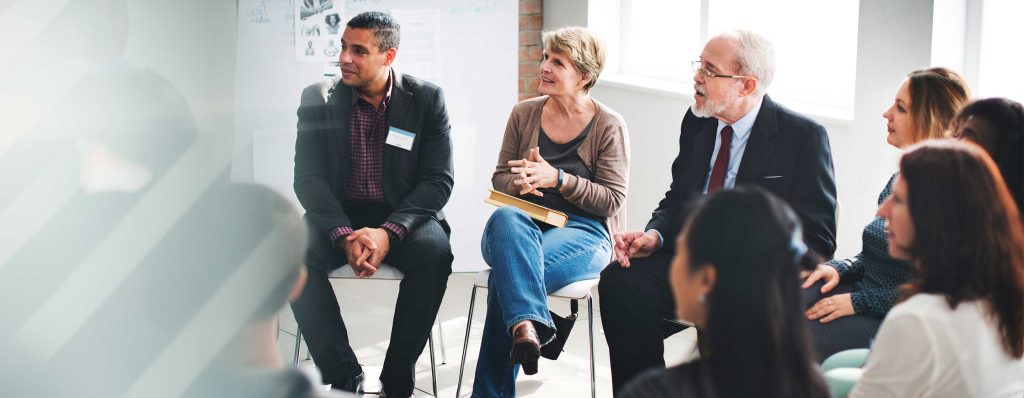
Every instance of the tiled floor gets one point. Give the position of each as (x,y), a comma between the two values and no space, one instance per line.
(367,307)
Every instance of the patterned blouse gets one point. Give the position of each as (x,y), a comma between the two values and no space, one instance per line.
(878,276)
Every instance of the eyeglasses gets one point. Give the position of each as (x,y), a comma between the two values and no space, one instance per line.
(699,66)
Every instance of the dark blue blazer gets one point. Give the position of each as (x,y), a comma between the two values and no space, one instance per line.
(787,154)
(417,183)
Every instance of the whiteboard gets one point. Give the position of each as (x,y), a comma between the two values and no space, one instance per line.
(467,47)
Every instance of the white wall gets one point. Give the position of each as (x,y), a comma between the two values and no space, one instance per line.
(558,13)
(49,46)
(192,44)
(894,38)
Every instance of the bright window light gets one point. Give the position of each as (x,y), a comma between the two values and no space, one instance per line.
(815,42)
(815,45)
(1001,60)
(660,38)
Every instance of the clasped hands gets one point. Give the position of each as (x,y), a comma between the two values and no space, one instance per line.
(633,244)
(533,173)
(365,249)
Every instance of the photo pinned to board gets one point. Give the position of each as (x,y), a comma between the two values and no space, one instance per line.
(317,30)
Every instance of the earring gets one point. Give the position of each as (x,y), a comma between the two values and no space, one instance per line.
(702,298)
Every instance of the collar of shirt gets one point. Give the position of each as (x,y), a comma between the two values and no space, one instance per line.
(740,133)
(356,97)
(741,128)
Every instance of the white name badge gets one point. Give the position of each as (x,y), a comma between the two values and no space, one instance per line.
(400,138)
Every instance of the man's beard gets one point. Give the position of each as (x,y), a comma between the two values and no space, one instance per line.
(710,107)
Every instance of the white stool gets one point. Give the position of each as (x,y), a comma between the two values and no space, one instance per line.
(384,272)
(573,291)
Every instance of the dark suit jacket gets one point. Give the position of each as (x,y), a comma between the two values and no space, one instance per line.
(787,154)
(417,183)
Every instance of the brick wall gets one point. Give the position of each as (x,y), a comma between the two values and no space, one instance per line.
(531,21)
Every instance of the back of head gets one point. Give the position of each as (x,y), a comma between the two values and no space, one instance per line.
(275,252)
(756,337)
(227,262)
(1005,143)
(755,55)
(936,94)
(968,239)
(385,28)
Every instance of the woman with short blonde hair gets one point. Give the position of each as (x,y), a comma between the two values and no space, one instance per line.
(566,151)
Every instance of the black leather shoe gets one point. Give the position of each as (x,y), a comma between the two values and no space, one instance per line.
(353,384)
(526,347)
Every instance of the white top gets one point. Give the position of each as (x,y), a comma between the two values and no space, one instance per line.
(925,349)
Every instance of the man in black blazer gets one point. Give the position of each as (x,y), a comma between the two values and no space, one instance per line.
(373,168)
(733,134)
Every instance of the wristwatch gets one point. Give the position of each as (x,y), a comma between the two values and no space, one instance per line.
(392,237)
(561,179)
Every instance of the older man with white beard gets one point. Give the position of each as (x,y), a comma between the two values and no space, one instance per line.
(733,134)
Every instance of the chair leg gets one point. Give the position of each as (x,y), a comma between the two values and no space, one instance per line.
(298,343)
(433,365)
(465,341)
(440,335)
(590,320)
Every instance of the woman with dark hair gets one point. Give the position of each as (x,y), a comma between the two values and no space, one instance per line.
(734,276)
(848,298)
(959,331)
(997,125)
(333,22)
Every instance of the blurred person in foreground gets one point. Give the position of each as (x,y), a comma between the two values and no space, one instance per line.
(997,125)
(958,330)
(194,314)
(734,275)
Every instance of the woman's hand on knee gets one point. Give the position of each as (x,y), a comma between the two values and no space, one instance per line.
(826,273)
(831,308)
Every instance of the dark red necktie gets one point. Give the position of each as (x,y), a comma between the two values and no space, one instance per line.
(721,167)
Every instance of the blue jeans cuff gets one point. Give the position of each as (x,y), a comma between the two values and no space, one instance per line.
(545,327)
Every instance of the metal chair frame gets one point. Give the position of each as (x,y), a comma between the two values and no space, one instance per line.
(390,274)
(590,320)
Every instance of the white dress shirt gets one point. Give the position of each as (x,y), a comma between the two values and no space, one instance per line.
(740,133)
(926,349)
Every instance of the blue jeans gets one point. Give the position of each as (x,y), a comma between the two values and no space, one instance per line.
(527,262)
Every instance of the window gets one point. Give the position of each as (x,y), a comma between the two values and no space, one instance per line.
(660,38)
(1000,59)
(979,38)
(815,41)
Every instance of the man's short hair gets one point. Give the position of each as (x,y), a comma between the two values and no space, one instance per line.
(385,28)
(755,55)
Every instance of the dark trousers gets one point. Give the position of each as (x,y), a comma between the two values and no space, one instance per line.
(635,303)
(424,256)
(848,332)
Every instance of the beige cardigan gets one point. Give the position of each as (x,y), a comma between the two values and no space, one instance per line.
(605,151)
